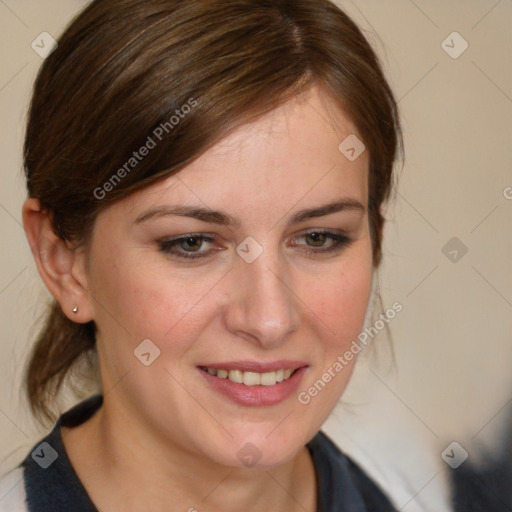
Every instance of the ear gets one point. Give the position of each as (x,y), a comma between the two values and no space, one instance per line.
(60,265)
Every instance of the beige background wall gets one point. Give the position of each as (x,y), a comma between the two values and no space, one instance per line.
(453,339)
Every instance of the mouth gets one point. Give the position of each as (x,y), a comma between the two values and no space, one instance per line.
(254,384)
(249,378)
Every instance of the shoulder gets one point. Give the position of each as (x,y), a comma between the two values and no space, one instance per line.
(12,492)
(342,483)
(46,480)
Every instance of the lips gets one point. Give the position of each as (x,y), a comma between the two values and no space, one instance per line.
(256,384)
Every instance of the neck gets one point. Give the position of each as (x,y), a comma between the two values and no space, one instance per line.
(127,468)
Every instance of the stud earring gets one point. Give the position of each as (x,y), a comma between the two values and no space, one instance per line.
(75,309)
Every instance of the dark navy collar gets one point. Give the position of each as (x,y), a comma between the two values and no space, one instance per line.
(342,485)
(52,485)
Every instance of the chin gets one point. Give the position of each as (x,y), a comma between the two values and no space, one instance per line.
(257,451)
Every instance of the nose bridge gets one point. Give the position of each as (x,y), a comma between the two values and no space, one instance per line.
(264,305)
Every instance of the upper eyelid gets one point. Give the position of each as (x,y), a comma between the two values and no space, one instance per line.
(339,241)
(211,237)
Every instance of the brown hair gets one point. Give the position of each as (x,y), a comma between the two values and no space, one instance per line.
(124,69)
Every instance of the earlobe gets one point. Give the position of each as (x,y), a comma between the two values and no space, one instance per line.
(57,262)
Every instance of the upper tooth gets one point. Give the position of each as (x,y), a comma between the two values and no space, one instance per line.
(236,376)
(252,378)
(269,378)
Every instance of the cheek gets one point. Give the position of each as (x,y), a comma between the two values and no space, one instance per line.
(138,300)
(339,308)
(340,300)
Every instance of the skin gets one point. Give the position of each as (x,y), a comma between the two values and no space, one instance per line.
(163,435)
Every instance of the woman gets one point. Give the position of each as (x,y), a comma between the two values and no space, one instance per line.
(205,182)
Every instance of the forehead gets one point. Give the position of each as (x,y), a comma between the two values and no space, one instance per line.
(288,156)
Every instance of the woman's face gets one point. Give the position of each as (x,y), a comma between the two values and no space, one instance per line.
(222,267)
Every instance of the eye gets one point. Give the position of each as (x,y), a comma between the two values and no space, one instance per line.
(187,246)
(323,241)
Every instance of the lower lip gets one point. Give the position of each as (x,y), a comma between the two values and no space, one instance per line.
(256,395)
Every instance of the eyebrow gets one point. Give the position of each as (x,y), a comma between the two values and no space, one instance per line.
(225,219)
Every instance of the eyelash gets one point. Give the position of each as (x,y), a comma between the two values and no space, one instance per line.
(339,242)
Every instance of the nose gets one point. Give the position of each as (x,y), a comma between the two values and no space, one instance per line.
(263,307)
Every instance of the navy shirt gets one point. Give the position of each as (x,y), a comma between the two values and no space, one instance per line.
(51,484)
